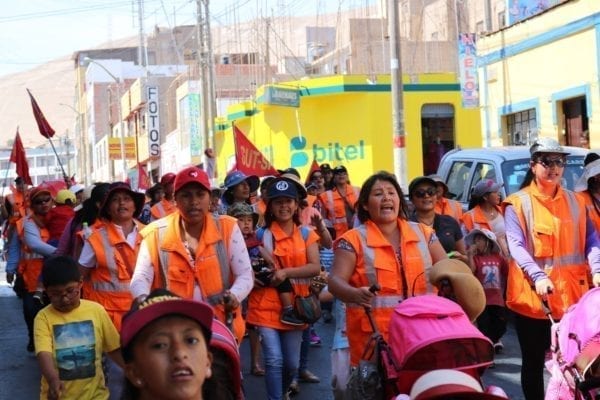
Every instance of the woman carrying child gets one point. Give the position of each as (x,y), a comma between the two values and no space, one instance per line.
(295,254)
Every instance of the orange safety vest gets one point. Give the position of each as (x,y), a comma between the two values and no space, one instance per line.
(475,218)
(108,283)
(162,209)
(555,236)
(19,209)
(591,209)
(173,269)
(264,306)
(30,263)
(334,208)
(449,207)
(376,262)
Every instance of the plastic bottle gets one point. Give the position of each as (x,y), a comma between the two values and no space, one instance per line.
(87,231)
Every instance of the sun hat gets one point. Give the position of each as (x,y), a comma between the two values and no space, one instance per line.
(63,195)
(546,145)
(138,198)
(240,209)
(417,181)
(160,303)
(439,181)
(223,339)
(470,238)
(295,179)
(189,175)
(485,186)
(76,188)
(589,171)
(236,177)
(465,286)
(449,383)
(282,187)
(167,178)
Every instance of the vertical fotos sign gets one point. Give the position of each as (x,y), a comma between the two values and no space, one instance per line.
(467,60)
(153,123)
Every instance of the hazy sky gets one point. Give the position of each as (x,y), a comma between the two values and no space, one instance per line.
(33,32)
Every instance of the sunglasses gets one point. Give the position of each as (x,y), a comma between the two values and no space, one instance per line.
(552,162)
(315,177)
(42,201)
(421,193)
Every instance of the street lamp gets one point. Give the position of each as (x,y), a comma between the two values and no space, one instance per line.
(83,147)
(122,135)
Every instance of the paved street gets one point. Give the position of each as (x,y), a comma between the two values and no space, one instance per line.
(19,376)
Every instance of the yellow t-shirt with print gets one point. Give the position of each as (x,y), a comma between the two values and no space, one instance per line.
(76,341)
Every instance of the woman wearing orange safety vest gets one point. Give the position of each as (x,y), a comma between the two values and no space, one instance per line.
(339,203)
(549,238)
(485,212)
(108,258)
(386,249)
(196,254)
(444,205)
(33,238)
(588,187)
(166,205)
(295,256)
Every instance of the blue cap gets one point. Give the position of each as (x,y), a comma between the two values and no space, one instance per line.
(282,187)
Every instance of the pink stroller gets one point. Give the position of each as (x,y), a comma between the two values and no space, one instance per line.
(575,363)
(431,332)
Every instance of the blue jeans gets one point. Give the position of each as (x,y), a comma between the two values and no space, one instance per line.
(304,347)
(280,353)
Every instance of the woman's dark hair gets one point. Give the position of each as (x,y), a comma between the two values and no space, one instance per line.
(365,191)
(89,208)
(529,176)
(220,385)
(475,201)
(228,196)
(269,217)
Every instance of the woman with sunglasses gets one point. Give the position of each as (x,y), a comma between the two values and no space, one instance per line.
(422,193)
(553,244)
(385,249)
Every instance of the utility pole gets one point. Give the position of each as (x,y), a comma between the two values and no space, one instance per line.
(400,164)
(202,75)
(267,51)
(210,73)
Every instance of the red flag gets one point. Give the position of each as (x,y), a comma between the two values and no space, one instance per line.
(313,167)
(248,158)
(17,155)
(45,128)
(143,178)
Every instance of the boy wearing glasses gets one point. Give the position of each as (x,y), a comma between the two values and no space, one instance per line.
(70,336)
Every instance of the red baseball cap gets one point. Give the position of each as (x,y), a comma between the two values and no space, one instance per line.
(161,303)
(189,175)
(167,178)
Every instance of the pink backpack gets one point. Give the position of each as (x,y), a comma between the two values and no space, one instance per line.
(431,332)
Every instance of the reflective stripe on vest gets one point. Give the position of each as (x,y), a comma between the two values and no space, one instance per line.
(221,250)
(109,253)
(330,210)
(371,273)
(555,261)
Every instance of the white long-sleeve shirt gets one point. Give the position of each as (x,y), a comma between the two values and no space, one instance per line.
(239,262)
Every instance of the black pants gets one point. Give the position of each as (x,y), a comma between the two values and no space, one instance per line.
(30,309)
(534,340)
(492,322)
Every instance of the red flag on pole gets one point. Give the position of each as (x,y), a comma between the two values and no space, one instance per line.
(45,128)
(313,167)
(248,158)
(17,155)
(143,178)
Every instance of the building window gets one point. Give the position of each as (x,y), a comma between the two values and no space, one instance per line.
(521,127)
(479,27)
(501,20)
